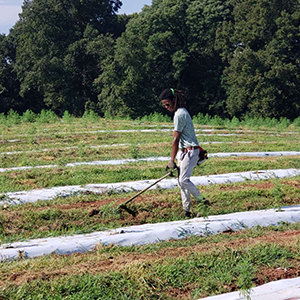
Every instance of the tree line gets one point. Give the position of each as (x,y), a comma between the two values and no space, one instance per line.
(232,58)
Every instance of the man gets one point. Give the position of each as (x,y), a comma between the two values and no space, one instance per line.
(184,138)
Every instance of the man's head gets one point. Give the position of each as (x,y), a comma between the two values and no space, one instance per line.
(171,99)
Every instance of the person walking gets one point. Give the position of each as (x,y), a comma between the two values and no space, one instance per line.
(184,137)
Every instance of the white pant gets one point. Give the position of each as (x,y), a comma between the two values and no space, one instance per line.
(187,162)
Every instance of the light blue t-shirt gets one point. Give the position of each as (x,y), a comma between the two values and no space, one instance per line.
(183,123)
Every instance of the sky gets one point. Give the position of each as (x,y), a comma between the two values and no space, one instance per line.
(10,9)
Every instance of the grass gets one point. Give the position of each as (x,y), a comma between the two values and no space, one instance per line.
(185,269)
(59,176)
(87,213)
(191,268)
(80,153)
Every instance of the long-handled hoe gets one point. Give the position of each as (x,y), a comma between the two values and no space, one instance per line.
(132,212)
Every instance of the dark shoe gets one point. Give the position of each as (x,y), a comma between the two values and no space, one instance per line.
(186,214)
(203,201)
(206,202)
(203,208)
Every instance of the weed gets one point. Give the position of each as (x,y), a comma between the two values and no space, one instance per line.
(202,209)
(278,195)
(32,130)
(135,151)
(184,233)
(81,151)
(154,117)
(2,229)
(296,122)
(245,272)
(110,211)
(206,231)
(91,116)
(22,255)
(214,270)
(241,225)
(13,118)
(62,162)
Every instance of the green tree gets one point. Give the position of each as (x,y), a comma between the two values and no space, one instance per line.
(260,43)
(169,44)
(54,56)
(9,84)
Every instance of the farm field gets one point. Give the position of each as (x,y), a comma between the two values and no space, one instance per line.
(192,267)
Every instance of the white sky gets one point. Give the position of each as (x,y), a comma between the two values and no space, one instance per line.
(10,9)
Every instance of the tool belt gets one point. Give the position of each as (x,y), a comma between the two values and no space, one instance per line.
(185,150)
(202,153)
(202,156)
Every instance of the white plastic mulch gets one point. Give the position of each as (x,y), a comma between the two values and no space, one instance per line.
(14,198)
(285,289)
(112,145)
(151,233)
(151,159)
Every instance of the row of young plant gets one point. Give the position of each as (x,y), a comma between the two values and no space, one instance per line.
(184,269)
(60,175)
(48,116)
(86,212)
(192,271)
(66,152)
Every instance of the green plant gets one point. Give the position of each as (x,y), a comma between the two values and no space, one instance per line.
(32,130)
(2,229)
(201,119)
(135,151)
(47,116)
(28,116)
(245,272)
(284,123)
(13,117)
(67,117)
(2,119)
(155,117)
(217,121)
(91,116)
(62,162)
(202,209)
(296,122)
(110,211)
(278,195)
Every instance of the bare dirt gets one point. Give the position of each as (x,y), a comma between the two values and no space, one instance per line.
(100,263)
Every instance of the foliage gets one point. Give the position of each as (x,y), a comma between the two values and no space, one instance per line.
(193,267)
(250,122)
(168,44)
(59,49)
(260,42)
(208,273)
(9,84)
(155,117)
(232,58)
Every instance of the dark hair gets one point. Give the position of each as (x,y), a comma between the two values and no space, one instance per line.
(173,95)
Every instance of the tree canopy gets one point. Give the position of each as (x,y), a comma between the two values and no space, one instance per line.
(230,57)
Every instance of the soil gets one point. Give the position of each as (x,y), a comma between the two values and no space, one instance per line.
(82,263)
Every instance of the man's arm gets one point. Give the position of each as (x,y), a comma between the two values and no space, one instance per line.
(175,145)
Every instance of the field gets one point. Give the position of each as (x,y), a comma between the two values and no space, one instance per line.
(38,154)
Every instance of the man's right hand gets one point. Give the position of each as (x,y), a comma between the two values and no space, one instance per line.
(171,165)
